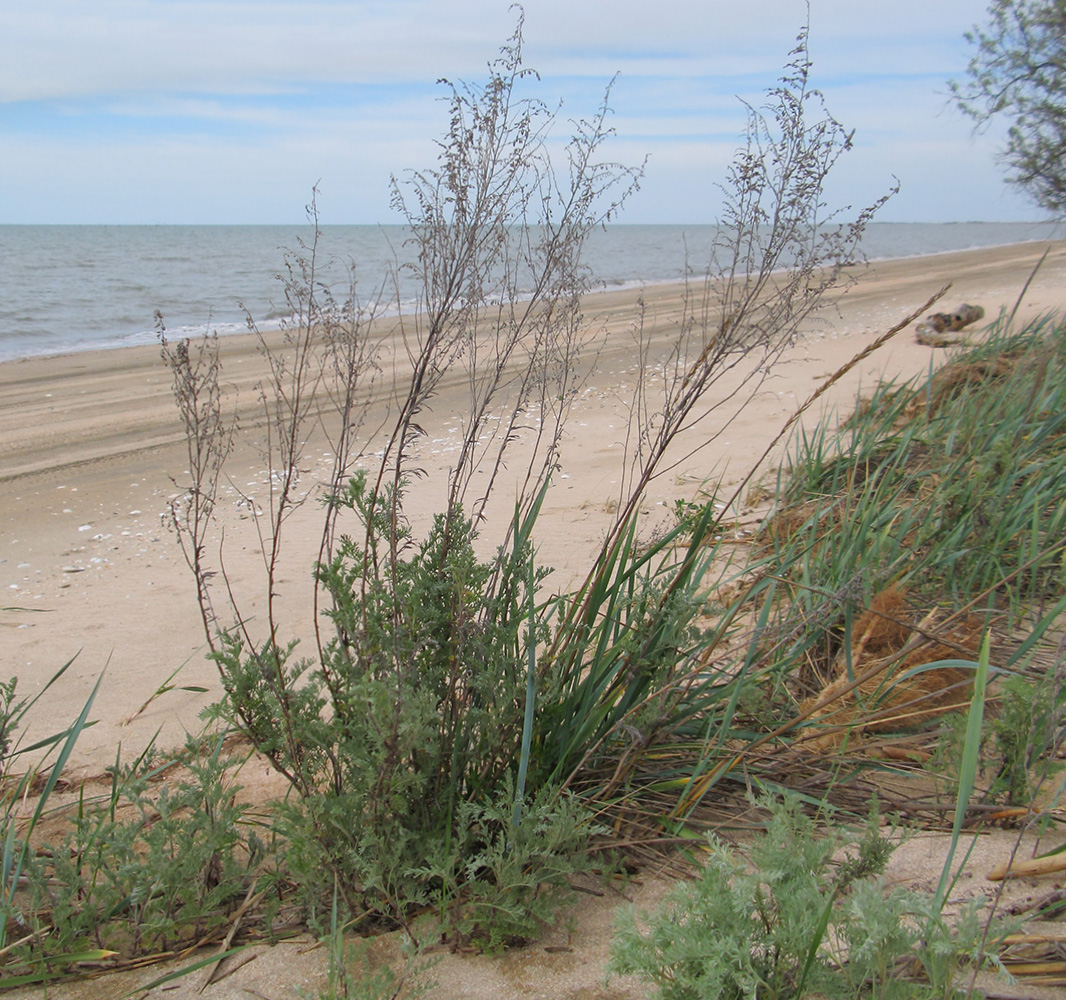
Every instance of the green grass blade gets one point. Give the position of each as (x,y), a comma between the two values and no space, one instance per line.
(968,770)
(531,694)
(186,970)
(47,976)
(13,860)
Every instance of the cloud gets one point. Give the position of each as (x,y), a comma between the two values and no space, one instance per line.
(190,110)
(67,48)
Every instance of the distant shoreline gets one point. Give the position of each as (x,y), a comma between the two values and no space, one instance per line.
(71,288)
(274,326)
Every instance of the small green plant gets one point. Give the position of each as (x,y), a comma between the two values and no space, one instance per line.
(790,922)
(1018,749)
(688,512)
(153,865)
(20,920)
(1024,737)
(10,712)
(353,975)
(16,790)
(503,883)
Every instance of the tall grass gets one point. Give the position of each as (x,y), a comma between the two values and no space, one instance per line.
(954,483)
(934,512)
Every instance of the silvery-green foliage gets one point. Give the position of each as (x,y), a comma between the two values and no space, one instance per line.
(785,920)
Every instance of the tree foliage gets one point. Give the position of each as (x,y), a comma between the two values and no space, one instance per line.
(1018,73)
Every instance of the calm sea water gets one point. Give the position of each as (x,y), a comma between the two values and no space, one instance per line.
(67,288)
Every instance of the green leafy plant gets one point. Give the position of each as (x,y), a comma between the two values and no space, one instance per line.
(415,760)
(506,881)
(1023,735)
(787,922)
(153,865)
(352,974)
(442,690)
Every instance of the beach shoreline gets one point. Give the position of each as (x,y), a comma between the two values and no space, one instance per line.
(74,288)
(92,449)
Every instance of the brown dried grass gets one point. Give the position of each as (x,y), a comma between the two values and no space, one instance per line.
(892,634)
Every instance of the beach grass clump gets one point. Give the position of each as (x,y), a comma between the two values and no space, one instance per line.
(899,540)
(954,483)
(933,515)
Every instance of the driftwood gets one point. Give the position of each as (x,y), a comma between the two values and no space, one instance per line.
(1033,866)
(938,329)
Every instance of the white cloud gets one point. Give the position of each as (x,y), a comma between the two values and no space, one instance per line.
(243,104)
(70,48)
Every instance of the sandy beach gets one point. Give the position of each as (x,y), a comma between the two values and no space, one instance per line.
(91,449)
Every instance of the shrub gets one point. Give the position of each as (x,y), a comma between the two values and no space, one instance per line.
(442,687)
(790,923)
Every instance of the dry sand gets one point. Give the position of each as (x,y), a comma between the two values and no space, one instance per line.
(90,448)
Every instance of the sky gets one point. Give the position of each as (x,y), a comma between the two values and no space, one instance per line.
(196,111)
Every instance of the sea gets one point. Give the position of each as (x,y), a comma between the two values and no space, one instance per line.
(73,288)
